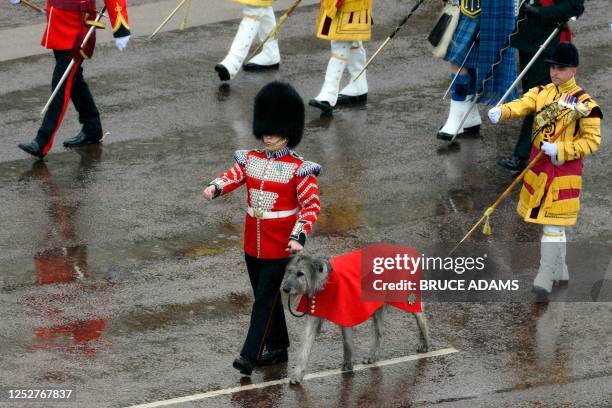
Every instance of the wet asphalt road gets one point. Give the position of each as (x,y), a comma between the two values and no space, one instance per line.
(158,299)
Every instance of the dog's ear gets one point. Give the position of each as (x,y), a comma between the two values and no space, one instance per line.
(321,265)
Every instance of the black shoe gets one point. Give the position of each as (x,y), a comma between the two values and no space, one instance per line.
(514,164)
(224,74)
(542,295)
(32,148)
(351,100)
(270,357)
(447,136)
(82,139)
(244,365)
(256,67)
(323,105)
(471,131)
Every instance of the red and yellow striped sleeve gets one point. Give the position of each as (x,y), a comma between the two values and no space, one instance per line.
(118,14)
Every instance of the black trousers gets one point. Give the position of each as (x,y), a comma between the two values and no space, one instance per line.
(74,88)
(538,74)
(268,327)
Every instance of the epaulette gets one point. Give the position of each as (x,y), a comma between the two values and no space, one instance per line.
(583,96)
(297,156)
(240,156)
(307,168)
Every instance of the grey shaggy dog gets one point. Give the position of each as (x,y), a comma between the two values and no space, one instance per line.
(307,275)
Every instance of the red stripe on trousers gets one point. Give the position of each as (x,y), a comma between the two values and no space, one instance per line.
(67,91)
(268,321)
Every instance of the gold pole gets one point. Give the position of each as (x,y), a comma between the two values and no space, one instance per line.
(274,32)
(383,45)
(185,17)
(32,6)
(181,4)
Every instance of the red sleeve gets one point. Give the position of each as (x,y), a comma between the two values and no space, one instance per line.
(234,178)
(118,15)
(307,192)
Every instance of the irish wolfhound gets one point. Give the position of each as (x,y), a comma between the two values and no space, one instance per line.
(306,275)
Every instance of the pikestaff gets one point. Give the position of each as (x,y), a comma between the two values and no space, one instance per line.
(29,4)
(176,9)
(275,31)
(516,81)
(384,44)
(74,61)
(574,111)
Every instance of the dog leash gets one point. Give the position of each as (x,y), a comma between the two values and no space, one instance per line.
(291,311)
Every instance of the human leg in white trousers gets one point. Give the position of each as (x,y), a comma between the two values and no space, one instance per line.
(249,27)
(327,98)
(552,260)
(269,56)
(355,91)
(462,93)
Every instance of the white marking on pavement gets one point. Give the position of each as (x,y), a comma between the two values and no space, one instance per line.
(322,374)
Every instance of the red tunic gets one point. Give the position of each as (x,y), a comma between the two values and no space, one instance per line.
(275,181)
(340,300)
(64,24)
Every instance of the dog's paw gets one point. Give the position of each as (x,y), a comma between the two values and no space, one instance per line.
(347,366)
(423,348)
(369,360)
(295,380)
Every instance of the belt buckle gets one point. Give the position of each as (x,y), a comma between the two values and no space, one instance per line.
(259,214)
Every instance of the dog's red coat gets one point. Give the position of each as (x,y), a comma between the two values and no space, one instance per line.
(340,300)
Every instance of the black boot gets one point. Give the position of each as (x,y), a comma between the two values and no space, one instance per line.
(351,100)
(224,74)
(325,107)
(32,148)
(82,139)
(244,365)
(270,357)
(256,67)
(515,164)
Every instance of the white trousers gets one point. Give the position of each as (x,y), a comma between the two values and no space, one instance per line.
(552,258)
(340,51)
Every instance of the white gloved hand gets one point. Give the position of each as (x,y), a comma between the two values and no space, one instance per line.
(549,149)
(15,1)
(494,115)
(121,42)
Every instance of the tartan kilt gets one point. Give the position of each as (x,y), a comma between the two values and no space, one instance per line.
(464,36)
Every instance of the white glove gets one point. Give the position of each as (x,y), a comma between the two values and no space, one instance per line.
(15,1)
(494,115)
(549,149)
(121,42)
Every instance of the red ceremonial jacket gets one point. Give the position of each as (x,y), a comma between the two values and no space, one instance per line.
(340,300)
(66,21)
(278,181)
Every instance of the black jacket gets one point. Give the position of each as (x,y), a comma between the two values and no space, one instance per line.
(534,31)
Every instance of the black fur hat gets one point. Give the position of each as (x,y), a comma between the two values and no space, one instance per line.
(565,55)
(279,111)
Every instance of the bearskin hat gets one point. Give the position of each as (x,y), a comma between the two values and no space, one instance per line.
(565,55)
(279,111)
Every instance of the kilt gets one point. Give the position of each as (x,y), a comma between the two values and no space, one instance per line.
(495,23)
(464,36)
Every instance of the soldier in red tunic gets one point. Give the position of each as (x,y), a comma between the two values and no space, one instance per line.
(67,24)
(283,204)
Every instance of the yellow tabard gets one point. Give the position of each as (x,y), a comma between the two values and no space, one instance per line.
(351,22)
(553,189)
(260,3)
